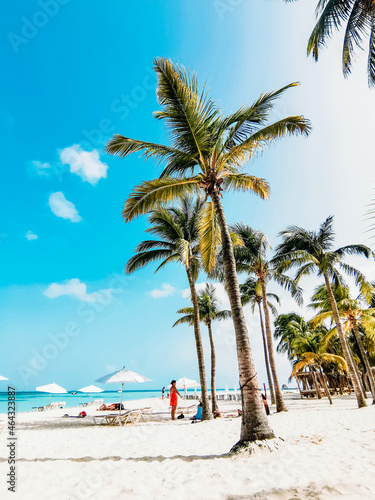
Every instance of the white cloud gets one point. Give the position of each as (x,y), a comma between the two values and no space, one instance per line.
(31,236)
(86,164)
(165,291)
(41,168)
(61,207)
(75,288)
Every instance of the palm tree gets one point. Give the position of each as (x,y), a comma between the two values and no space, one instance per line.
(310,350)
(358,17)
(207,154)
(311,251)
(287,328)
(251,293)
(209,310)
(352,315)
(177,232)
(251,257)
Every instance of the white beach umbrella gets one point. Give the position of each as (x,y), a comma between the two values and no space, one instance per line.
(91,389)
(123,377)
(3,378)
(186,383)
(52,389)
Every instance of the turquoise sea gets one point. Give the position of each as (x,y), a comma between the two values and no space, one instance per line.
(26,400)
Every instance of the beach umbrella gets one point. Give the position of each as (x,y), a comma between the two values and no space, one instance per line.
(90,389)
(52,389)
(3,378)
(186,383)
(123,377)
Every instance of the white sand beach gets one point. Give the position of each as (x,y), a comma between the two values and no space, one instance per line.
(327,452)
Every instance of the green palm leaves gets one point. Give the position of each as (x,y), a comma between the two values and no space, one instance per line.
(358,17)
(208,149)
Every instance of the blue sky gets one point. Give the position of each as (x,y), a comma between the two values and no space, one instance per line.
(83,71)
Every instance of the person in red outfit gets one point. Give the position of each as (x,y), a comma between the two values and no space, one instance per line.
(173,398)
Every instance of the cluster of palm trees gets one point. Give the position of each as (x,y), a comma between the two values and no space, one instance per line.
(207,154)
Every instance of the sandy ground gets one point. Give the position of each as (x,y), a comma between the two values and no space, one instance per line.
(327,452)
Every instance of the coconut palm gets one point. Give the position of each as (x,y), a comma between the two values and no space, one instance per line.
(207,154)
(287,328)
(352,315)
(358,19)
(311,251)
(251,257)
(310,350)
(177,232)
(251,293)
(209,310)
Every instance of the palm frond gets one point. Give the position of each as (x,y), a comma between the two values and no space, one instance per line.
(188,114)
(151,194)
(209,236)
(258,140)
(143,258)
(247,182)
(334,13)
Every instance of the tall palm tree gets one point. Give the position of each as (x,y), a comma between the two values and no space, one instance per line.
(310,252)
(358,19)
(251,257)
(209,310)
(177,232)
(251,293)
(352,316)
(207,154)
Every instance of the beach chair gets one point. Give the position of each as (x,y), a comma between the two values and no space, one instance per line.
(51,406)
(129,417)
(109,419)
(146,414)
(61,405)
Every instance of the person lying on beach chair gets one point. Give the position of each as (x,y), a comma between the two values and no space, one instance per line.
(111,407)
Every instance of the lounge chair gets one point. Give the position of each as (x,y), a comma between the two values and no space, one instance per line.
(129,417)
(188,409)
(61,405)
(51,406)
(109,419)
(146,414)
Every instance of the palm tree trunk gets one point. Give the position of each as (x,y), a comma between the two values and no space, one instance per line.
(317,388)
(365,360)
(206,414)
(280,404)
(345,348)
(213,390)
(254,425)
(358,373)
(270,383)
(325,387)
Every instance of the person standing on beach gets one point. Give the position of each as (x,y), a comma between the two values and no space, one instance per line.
(162,393)
(173,398)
